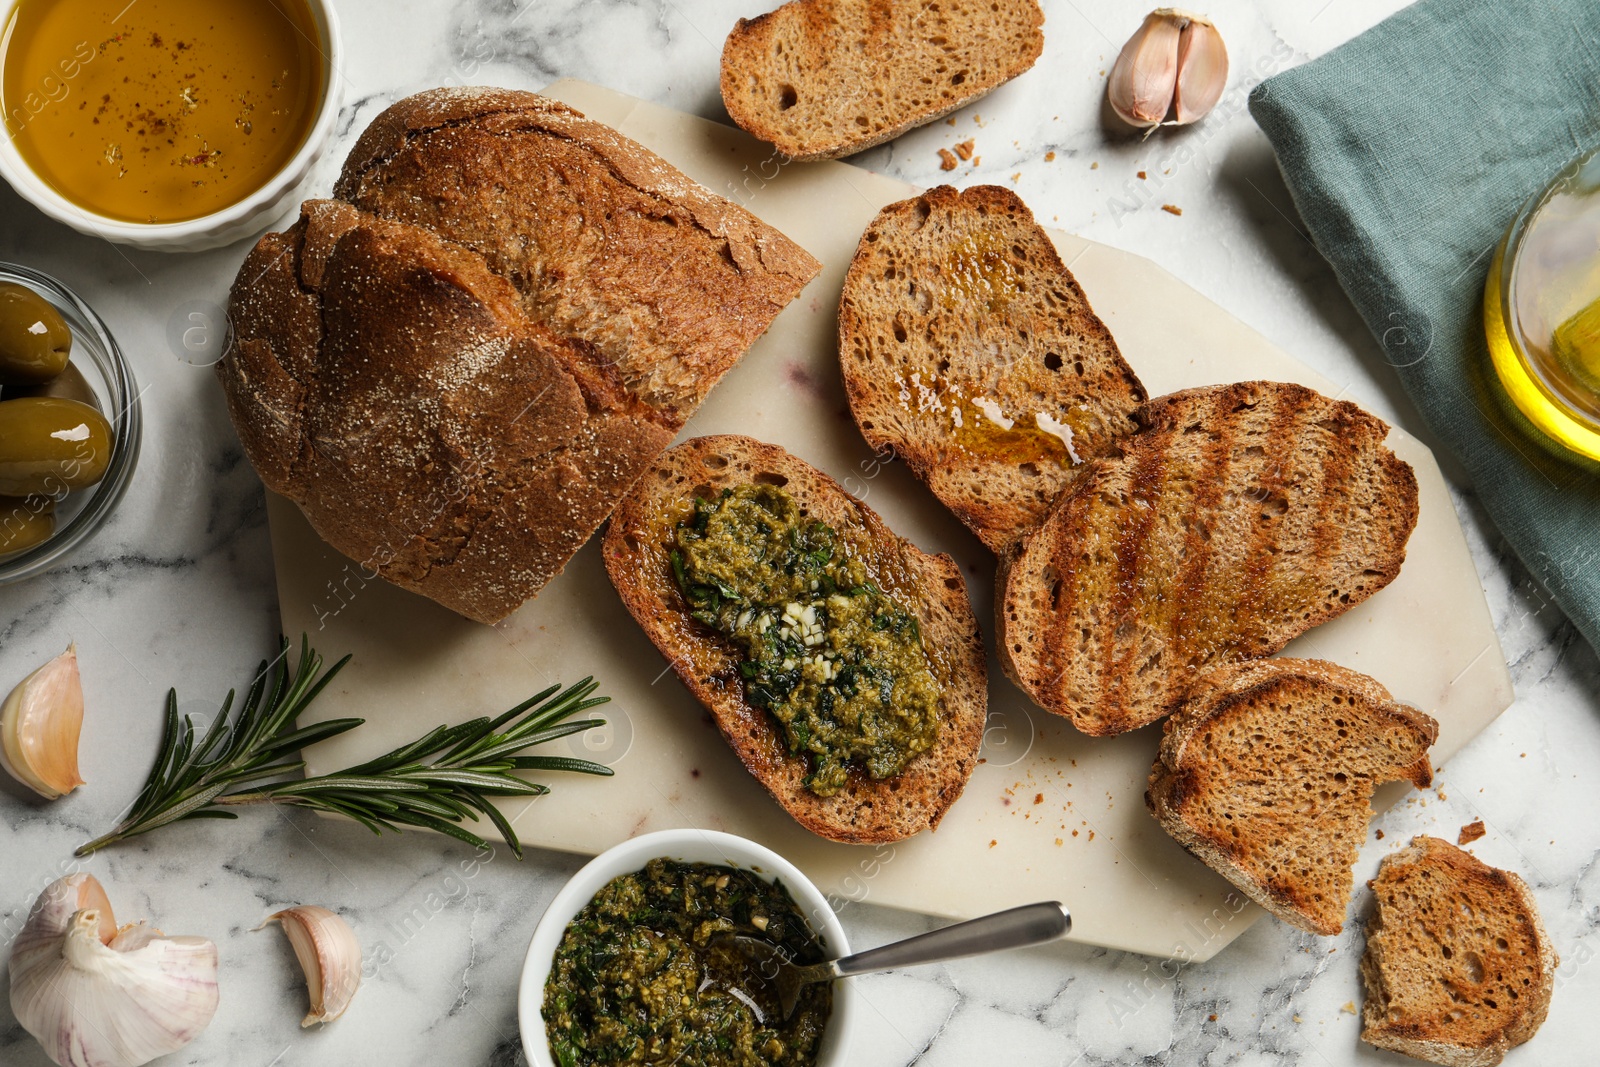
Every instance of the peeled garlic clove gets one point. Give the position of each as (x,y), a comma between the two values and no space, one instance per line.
(329,954)
(39,726)
(97,997)
(1171,72)
(1202,71)
(1146,72)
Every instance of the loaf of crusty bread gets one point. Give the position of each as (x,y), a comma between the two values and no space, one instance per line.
(636,551)
(1242,516)
(820,79)
(1266,774)
(1458,966)
(458,367)
(970,351)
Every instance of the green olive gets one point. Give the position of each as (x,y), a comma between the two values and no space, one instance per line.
(25,522)
(70,384)
(34,340)
(49,445)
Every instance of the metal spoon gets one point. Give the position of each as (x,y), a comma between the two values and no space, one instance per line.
(1031,924)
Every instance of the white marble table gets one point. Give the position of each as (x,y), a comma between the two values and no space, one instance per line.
(179,590)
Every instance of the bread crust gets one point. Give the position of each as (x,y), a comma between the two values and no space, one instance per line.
(957,313)
(1463,1031)
(823,79)
(1185,783)
(442,370)
(1243,516)
(635,551)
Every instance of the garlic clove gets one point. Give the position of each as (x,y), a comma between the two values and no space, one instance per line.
(1170,73)
(97,997)
(1145,74)
(39,726)
(1202,71)
(329,954)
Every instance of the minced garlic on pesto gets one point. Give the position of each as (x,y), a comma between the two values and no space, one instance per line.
(837,662)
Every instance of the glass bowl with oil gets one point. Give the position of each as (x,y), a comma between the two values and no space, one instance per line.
(175,125)
(1541,309)
(103,372)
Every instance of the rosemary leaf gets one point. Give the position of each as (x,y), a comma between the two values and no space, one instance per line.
(437,782)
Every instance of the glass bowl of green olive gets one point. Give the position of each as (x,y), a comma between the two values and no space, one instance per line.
(69,422)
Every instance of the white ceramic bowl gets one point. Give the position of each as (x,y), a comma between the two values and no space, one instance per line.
(242,219)
(688,846)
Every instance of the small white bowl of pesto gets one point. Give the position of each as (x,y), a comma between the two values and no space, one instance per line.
(633,962)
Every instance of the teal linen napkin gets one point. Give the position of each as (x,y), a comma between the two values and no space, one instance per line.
(1408,151)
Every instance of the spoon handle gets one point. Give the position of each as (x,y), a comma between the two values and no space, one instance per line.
(1031,924)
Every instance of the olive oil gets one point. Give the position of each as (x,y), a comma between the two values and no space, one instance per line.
(160,110)
(1541,309)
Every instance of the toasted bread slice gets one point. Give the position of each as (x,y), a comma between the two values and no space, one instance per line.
(1266,775)
(1243,516)
(969,349)
(1458,966)
(636,553)
(820,79)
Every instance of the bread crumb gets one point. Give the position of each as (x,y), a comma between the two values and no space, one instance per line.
(1058,842)
(1074,833)
(1211,1018)
(1172,209)
(1142,176)
(1091,835)
(1016,177)
(947,159)
(1094,166)
(1038,798)
(1380,835)
(993,842)
(950,121)
(976,160)
(1442,795)
(964,149)
(1049,157)
(1471,832)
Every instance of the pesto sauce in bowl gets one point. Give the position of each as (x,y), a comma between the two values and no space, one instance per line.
(837,662)
(641,977)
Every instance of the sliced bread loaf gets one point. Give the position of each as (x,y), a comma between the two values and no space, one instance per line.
(640,557)
(1243,516)
(971,352)
(457,369)
(1458,966)
(820,79)
(1266,775)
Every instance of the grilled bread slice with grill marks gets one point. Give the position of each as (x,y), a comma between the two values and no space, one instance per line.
(1266,774)
(970,350)
(1243,516)
(820,79)
(1458,966)
(637,556)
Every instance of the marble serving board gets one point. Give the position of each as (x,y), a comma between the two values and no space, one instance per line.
(1050,813)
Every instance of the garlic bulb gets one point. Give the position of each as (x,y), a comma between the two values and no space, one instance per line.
(329,954)
(1175,65)
(95,996)
(39,725)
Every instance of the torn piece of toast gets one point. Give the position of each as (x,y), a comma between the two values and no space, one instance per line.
(1266,775)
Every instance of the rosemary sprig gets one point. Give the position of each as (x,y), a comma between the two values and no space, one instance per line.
(436,781)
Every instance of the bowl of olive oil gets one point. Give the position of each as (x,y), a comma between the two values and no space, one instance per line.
(167,124)
(70,423)
(1541,309)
